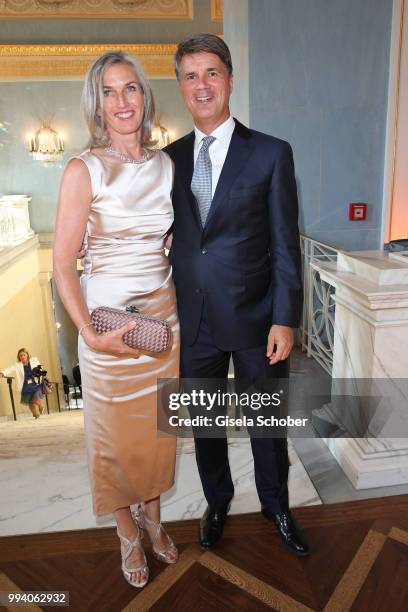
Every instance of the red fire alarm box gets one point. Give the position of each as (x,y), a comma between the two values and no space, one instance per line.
(357,211)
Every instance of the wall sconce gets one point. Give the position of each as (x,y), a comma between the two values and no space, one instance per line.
(46,145)
(161,135)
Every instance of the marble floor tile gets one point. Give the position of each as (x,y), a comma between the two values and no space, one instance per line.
(44,478)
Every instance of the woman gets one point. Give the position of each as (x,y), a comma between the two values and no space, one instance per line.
(31,393)
(117,194)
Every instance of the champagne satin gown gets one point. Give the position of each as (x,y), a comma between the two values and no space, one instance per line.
(125,265)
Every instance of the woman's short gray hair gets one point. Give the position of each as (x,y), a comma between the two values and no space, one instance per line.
(205,42)
(92,98)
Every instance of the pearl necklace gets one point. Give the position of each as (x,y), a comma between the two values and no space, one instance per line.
(146,155)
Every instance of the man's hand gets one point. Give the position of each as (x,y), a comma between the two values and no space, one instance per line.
(280,343)
(82,253)
(168,241)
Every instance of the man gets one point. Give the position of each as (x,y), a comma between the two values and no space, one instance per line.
(236,264)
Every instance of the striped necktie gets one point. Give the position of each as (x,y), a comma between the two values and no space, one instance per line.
(201,183)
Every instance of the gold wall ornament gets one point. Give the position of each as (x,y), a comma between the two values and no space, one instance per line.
(70,62)
(53,3)
(217,10)
(170,10)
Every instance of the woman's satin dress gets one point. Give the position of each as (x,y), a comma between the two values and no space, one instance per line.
(125,265)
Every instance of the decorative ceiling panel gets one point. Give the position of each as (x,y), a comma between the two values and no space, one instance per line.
(97,9)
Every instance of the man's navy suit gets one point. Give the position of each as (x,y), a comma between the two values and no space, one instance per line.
(234,278)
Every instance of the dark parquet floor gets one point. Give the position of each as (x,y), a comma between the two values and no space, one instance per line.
(358,562)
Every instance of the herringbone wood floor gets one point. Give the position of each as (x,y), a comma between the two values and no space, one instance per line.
(358,562)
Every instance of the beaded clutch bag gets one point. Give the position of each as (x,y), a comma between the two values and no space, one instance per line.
(150,334)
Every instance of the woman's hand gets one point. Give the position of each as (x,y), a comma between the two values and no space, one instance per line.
(110,342)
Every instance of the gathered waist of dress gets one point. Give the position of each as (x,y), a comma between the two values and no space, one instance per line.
(126,258)
(147,241)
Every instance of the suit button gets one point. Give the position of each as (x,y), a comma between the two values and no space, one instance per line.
(204,251)
(198,290)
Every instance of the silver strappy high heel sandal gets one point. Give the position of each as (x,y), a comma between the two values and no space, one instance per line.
(129,547)
(161,554)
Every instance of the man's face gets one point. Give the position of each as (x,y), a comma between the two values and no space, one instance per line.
(206,86)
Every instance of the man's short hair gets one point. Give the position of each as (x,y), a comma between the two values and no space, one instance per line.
(205,42)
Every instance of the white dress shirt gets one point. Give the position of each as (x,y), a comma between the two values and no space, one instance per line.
(218,149)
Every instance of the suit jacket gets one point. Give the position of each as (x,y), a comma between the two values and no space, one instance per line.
(245,261)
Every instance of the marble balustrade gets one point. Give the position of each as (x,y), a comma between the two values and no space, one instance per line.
(370,344)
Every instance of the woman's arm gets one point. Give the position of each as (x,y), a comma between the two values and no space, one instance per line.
(7,372)
(72,217)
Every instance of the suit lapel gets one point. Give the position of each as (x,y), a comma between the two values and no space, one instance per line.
(238,152)
(185,168)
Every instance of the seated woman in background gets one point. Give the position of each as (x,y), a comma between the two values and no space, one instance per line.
(31,393)
(118,193)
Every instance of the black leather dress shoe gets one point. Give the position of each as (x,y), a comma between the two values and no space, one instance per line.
(212,525)
(288,531)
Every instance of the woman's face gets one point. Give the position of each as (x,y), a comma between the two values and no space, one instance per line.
(123,105)
(23,357)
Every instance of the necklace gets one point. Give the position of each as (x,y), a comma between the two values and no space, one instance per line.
(146,155)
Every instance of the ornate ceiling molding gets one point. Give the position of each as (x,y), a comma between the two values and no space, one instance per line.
(217,10)
(97,9)
(70,62)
